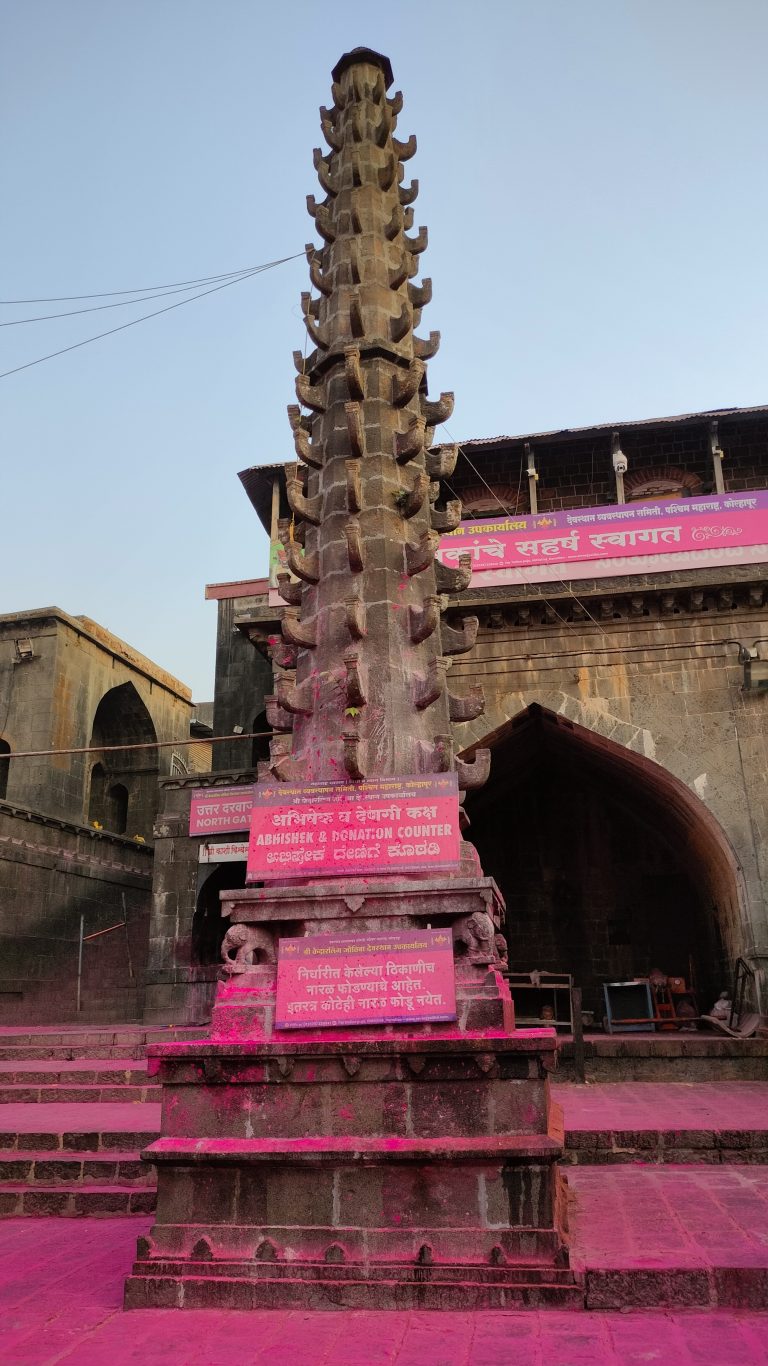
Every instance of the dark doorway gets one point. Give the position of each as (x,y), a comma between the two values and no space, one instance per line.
(96,798)
(117,808)
(609,866)
(5,752)
(260,742)
(208,927)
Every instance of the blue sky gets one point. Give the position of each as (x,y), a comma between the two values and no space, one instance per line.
(593,176)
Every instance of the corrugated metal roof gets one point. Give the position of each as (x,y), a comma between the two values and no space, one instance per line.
(569,433)
(257,481)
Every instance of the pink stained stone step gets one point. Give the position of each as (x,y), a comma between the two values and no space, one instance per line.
(75,1201)
(667,1236)
(95,1033)
(656,1122)
(63,1094)
(61,1291)
(65,1053)
(331,1148)
(47,1067)
(114,1118)
(611,1106)
(59,1166)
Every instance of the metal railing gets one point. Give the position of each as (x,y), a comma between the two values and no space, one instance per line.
(86,939)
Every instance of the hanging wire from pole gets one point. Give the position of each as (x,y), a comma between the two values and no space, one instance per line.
(257,270)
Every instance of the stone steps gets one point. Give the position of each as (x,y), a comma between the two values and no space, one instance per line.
(91,1128)
(42,1167)
(714,1146)
(665,1237)
(461,1286)
(23,1201)
(74,1072)
(72,1127)
(666,1057)
(68,1052)
(60,1094)
(651,1122)
(69,1043)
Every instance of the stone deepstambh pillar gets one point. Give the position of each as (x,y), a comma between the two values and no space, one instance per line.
(384,1166)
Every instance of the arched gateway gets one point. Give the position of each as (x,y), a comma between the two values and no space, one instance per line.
(609,864)
(123,785)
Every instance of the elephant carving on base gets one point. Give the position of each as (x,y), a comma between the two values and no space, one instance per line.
(244,946)
(474,937)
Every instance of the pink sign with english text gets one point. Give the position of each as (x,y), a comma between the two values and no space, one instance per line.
(386,825)
(326,981)
(220,810)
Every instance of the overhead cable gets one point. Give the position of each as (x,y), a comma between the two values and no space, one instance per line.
(139,289)
(508,513)
(117,303)
(258,270)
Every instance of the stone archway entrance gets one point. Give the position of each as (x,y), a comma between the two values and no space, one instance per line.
(609,865)
(123,792)
(208,927)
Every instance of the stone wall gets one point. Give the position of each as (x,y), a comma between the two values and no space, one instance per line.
(243,677)
(51,873)
(68,684)
(50,701)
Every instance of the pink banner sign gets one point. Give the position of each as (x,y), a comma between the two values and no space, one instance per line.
(625,539)
(220,810)
(387,825)
(362,979)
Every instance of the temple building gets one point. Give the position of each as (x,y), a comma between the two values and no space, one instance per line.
(620,648)
(76,826)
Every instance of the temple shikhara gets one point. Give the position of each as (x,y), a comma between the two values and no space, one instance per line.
(394,1163)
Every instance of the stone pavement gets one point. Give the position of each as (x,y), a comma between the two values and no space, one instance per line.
(665,1105)
(673,1235)
(61,1288)
(724,1121)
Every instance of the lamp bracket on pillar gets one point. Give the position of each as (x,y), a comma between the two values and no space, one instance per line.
(620,465)
(532,478)
(718,455)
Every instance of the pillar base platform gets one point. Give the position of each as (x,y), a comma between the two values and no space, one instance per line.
(386,1172)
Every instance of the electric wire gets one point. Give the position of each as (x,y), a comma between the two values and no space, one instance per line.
(528,582)
(119,303)
(139,289)
(258,270)
(507,513)
(144,744)
(531,661)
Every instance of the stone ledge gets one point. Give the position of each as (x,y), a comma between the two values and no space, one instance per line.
(152,1290)
(36,817)
(521,1041)
(357,1149)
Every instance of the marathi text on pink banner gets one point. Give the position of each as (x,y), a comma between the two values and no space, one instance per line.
(387,825)
(220,810)
(324,981)
(707,528)
(634,538)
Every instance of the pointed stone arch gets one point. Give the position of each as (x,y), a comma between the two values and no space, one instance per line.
(591,796)
(123,792)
